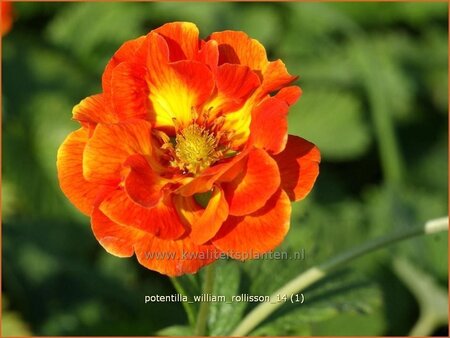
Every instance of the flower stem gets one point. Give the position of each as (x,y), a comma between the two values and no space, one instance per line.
(187,307)
(312,275)
(203,312)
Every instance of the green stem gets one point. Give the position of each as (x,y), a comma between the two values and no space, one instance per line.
(424,326)
(203,312)
(372,61)
(187,307)
(312,275)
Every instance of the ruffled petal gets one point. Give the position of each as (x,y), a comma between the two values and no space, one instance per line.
(207,225)
(222,172)
(129,91)
(169,257)
(249,236)
(182,40)
(80,192)
(209,54)
(238,48)
(257,182)
(161,220)
(235,84)
(142,184)
(110,146)
(290,95)
(126,52)
(299,167)
(187,209)
(275,76)
(268,129)
(117,239)
(92,110)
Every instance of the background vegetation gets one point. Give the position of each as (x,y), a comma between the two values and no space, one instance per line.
(374,77)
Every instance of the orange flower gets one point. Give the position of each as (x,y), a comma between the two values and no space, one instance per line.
(185,155)
(6,9)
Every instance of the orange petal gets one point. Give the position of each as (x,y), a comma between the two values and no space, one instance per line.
(92,110)
(275,76)
(236,47)
(249,236)
(126,52)
(235,84)
(209,54)
(290,95)
(207,225)
(268,129)
(161,220)
(80,192)
(143,185)
(169,257)
(187,208)
(250,190)
(110,146)
(117,239)
(299,166)
(129,91)
(182,39)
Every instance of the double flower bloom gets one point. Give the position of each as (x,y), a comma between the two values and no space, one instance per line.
(186,150)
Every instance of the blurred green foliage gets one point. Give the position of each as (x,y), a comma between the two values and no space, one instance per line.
(374,77)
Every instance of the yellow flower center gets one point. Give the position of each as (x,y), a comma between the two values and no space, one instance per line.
(195,149)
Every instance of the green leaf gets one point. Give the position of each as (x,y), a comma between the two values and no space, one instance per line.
(333,120)
(224,316)
(188,285)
